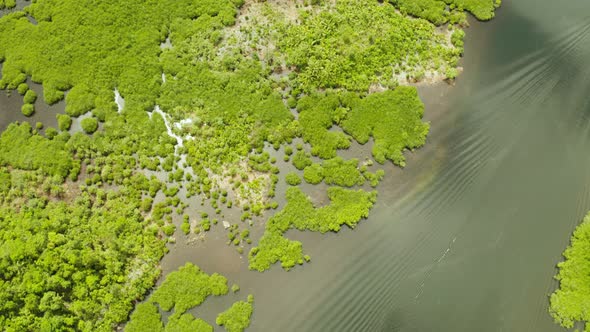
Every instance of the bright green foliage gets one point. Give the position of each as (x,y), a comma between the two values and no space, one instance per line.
(51,132)
(434,11)
(206,224)
(28,109)
(94,47)
(235,288)
(335,171)
(245,233)
(5,181)
(146,204)
(392,118)
(71,264)
(437,12)
(451,73)
(187,323)
(30,97)
(292,179)
(232,121)
(171,191)
(64,122)
(90,49)
(360,42)
(457,38)
(145,318)
(260,162)
(237,317)
(570,302)
(188,287)
(273,247)
(7,4)
(20,148)
(89,125)
(185,227)
(374,178)
(184,289)
(301,159)
(169,229)
(313,174)
(229,98)
(347,207)
(317,114)
(22,88)
(79,100)
(482,9)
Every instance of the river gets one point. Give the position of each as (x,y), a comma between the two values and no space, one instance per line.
(466,238)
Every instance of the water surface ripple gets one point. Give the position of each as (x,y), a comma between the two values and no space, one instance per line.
(467,241)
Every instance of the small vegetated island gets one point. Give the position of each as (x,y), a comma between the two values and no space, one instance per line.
(210,89)
(185,289)
(569,303)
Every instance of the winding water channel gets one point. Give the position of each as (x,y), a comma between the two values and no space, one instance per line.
(467,236)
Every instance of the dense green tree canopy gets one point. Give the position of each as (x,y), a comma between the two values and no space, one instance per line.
(20,148)
(95,47)
(89,125)
(188,287)
(64,122)
(144,318)
(65,262)
(392,118)
(361,42)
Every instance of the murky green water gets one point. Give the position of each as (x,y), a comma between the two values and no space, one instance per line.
(467,236)
(11,102)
